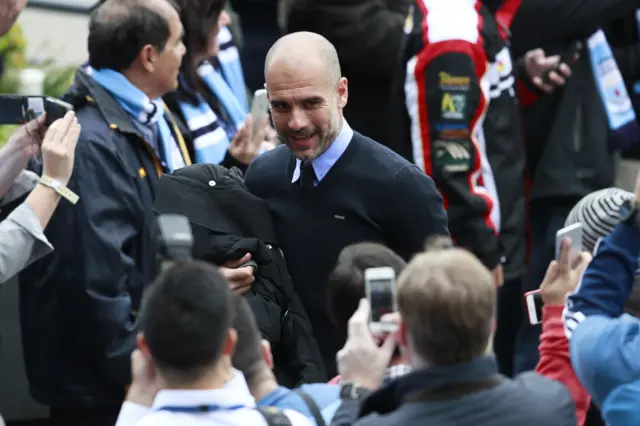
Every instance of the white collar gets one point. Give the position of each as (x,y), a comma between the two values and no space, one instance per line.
(235,392)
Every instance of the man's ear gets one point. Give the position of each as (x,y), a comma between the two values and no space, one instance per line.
(141,342)
(267,355)
(343,92)
(148,57)
(230,342)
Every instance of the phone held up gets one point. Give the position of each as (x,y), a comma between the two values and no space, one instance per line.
(533,302)
(380,289)
(259,108)
(18,109)
(574,233)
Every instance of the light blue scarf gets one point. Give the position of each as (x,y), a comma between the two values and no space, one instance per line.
(142,109)
(210,139)
(229,59)
(622,119)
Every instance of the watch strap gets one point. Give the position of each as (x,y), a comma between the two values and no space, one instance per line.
(62,190)
(351,391)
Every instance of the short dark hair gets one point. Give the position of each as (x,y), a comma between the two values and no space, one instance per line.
(199,18)
(247,356)
(119,29)
(346,281)
(185,316)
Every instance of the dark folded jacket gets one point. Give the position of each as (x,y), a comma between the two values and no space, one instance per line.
(228,222)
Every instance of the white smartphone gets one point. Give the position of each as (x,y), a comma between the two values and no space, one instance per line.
(574,232)
(380,289)
(259,107)
(534,304)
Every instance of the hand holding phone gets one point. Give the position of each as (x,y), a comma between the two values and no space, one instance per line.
(555,76)
(534,303)
(380,290)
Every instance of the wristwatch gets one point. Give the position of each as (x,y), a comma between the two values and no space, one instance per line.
(352,391)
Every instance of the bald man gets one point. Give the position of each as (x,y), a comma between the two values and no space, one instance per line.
(327,185)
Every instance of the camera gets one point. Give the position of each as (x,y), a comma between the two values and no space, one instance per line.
(175,240)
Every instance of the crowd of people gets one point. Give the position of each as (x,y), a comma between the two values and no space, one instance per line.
(446,140)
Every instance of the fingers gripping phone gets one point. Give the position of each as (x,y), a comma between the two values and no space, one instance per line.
(568,57)
(259,108)
(17,109)
(533,302)
(380,289)
(574,233)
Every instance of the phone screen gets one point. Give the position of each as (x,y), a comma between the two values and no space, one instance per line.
(380,298)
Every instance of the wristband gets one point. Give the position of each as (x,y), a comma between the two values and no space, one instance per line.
(60,189)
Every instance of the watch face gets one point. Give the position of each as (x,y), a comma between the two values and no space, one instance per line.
(350,391)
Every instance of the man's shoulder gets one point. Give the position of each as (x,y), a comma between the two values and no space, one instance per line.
(377,154)
(544,391)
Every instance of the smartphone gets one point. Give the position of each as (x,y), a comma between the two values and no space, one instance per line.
(574,232)
(259,107)
(534,303)
(18,109)
(380,289)
(569,56)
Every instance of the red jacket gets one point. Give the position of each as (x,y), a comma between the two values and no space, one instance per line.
(555,362)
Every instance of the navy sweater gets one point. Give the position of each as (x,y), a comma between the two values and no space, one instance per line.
(371,194)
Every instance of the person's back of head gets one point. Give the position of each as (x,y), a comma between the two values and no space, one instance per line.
(252,356)
(346,282)
(447,300)
(186,323)
(144,36)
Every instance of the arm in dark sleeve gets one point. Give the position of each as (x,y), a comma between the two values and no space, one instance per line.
(540,23)
(366,34)
(447,104)
(105,227)
(417,212)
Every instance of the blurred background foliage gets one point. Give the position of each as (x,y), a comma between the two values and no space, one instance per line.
(13,53)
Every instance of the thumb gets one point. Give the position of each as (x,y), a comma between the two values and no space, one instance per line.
(389,345)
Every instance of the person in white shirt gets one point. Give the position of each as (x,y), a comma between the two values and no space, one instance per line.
(182,372)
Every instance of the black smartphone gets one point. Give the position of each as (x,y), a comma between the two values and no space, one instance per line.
(14,108)
(569,56)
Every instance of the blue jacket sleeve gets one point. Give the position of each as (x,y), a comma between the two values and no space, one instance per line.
(607,282)
(604,345)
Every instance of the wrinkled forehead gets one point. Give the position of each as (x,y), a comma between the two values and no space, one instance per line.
(298,81)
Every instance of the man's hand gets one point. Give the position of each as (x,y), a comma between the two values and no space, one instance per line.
(536,64)
(245,146)
(361,360)
(145,381)
(240,279)
(498,275)
(59,146)
(562,277)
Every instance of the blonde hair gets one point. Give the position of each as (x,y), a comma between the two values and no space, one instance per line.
(447,299)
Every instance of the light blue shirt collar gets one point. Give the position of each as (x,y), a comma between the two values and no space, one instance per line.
(327,159)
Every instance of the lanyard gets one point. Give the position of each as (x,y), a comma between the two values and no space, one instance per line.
(199,408)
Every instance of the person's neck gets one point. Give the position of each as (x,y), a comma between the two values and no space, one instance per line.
(266,384)
(214,379)
(142,82)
